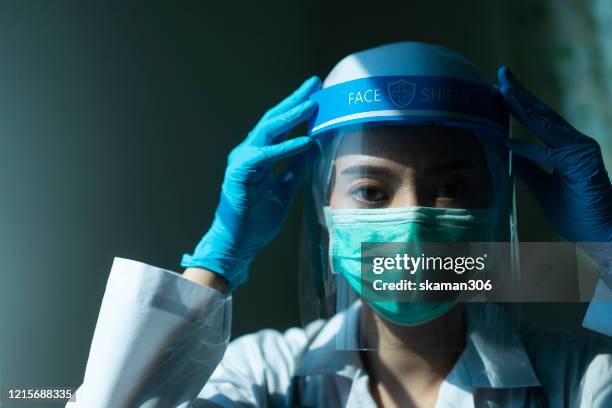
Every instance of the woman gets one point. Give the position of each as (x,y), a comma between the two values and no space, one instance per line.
(407,144)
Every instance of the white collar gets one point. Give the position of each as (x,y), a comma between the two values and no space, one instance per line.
(494,357)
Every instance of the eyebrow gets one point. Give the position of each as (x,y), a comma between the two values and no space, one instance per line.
(372,171)
(385,173)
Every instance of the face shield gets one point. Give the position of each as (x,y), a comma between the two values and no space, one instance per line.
(411,170)
(408,214)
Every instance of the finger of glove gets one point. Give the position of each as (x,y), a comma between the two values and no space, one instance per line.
(534,114)
(536,179)
(276,129)
(530,151)
(300,95)
(271,154)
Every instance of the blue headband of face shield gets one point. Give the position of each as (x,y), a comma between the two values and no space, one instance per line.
(435,100)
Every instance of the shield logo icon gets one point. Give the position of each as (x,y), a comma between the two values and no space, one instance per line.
(401,92)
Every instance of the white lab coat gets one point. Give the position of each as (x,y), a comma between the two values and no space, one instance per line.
(160,342)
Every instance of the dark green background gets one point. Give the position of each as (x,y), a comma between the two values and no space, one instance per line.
(115,121)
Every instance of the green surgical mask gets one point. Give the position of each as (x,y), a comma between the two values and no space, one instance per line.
(349,228)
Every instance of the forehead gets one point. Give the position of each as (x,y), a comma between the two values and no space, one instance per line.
(411,145)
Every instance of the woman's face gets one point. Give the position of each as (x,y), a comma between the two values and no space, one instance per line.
(401,166)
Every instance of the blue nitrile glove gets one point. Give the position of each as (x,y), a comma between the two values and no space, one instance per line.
(254,201)
(577,196)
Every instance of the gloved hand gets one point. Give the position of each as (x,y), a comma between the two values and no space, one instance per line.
(577,196)
(254,201)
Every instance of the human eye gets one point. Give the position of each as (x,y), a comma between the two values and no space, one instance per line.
(368,194)
(450,190)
